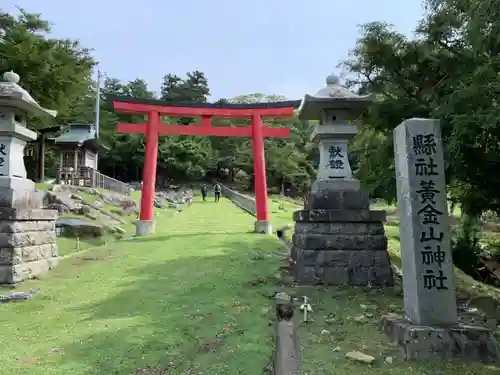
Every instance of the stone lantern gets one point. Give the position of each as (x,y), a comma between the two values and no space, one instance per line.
(338,239)
(334,106)
(27,235)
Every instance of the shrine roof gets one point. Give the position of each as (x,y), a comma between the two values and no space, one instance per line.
(76,133)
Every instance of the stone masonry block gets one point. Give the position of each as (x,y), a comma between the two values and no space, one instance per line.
(329,216)
(18,255)
(26,226)
(11,255)
(356,276)
(340,242)
(13,214)
(13,274)
(342,258)
(339,228)
(21,198)
(472,343)
(21,239)
(39,252)
(338,200)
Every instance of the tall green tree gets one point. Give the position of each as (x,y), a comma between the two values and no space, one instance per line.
(56,72)
(449,72)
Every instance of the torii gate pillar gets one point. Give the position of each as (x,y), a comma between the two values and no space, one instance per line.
(262,224)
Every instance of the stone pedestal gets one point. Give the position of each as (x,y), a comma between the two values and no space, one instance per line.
(263,226)
(27,243)
(339,240)
(144,227)
(472,343)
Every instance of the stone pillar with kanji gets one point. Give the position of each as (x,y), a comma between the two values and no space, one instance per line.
(27,231)
(338,239)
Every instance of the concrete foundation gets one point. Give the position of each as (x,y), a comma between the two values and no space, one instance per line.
(144,227)
(461,341)
(263,226)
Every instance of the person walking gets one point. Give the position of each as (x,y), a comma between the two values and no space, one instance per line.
(217,191)
(204,192)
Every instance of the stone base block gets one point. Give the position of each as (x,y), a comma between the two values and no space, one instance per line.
(338,200)
(16,183)
(356,268)
(263,226)
(28,245)
(12,274)
(144,227)
(21,199)
(338,184)
(10,215)
(339,216)
(465,342)
(339,246)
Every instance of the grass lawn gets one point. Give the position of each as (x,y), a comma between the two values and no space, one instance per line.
(193,298)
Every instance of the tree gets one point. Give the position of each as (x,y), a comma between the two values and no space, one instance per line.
(449,73)
(56,72)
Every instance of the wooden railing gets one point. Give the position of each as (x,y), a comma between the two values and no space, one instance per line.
(85,176)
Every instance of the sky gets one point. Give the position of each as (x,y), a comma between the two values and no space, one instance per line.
(284,47)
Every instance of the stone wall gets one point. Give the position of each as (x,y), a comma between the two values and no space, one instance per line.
(243,201)
(27,243)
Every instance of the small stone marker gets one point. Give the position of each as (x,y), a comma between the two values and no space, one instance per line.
(360,357)
(429,291)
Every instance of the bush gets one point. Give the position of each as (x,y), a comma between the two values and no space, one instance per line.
(465,245)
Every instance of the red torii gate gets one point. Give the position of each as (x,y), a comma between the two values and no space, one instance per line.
(154,128)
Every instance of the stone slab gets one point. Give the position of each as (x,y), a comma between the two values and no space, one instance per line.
(352,275)
(27,226)
(342,258)
(14,274)
(22,239)
(13,214)
(339,228)
(340,242)
(30,253)
(329,216)
(16,183)
(472,343)
(339,184)
(21,199)
(338,200)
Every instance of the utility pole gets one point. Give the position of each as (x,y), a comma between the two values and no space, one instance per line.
(97,114)
(97,103)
